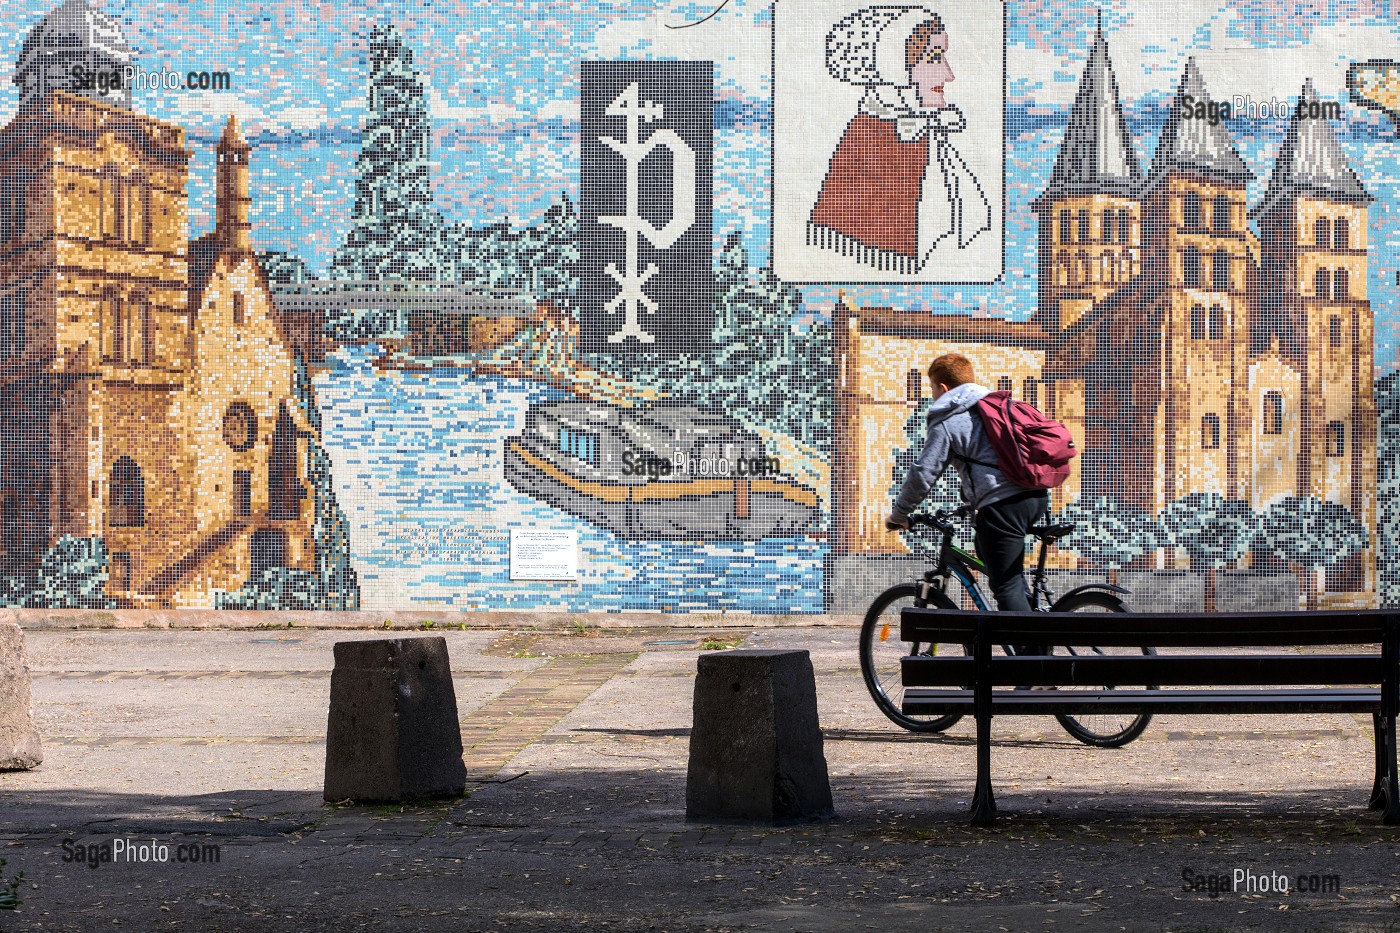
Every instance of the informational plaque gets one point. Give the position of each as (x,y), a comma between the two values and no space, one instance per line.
(543,555)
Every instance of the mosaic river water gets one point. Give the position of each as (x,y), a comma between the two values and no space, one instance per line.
(418,472)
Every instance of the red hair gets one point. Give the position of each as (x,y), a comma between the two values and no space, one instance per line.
(951,369)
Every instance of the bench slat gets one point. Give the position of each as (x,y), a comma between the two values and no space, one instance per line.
(1170,671)
(924,701)
(1162,630)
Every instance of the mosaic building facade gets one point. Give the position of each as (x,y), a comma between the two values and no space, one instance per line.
(1192,342)
(148,382)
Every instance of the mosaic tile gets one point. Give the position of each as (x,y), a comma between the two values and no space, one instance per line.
(310,308)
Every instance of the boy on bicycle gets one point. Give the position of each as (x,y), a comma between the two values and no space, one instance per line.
(1004,511)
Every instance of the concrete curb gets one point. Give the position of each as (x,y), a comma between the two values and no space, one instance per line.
(400,620)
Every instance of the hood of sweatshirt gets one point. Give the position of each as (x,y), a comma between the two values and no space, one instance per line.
(957,399)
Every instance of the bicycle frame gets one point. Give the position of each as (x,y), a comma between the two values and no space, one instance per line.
(953,561)
(882,664)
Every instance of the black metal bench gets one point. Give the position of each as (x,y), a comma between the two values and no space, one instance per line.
(984,684)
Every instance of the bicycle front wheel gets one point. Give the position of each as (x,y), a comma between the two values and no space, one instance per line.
(881,651)
(1101,730)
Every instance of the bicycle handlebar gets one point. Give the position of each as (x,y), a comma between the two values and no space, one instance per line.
(941,520)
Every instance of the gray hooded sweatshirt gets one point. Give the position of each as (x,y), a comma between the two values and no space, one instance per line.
(955,433)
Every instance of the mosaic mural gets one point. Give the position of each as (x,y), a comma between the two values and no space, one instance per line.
(311,308)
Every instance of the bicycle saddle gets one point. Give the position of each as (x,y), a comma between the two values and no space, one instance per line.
(1053,531)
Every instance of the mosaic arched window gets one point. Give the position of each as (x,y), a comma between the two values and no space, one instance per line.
(1220,214)
(1191,266)
(1341,234)
(1273,413)
(1341,284)
(1220,270)
(1210,432)
(1191,211)
(913,386)
(1217,323)
(126,505)
(1198,322)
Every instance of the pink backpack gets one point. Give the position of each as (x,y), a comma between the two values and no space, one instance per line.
(1032,450)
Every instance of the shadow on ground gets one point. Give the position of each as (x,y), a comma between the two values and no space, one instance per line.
(608,846)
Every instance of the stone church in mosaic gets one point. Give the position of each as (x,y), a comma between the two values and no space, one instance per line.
(1192,342)
(148,383)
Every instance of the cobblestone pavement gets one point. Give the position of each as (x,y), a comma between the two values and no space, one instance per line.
(576,746)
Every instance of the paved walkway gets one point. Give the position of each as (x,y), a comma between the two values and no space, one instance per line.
(576,749)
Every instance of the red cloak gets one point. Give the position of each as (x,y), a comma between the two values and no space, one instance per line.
(869,203)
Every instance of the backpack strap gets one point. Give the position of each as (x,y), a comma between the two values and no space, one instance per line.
(966,459)
(978,462)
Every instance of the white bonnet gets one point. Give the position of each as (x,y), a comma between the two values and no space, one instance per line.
(867,47)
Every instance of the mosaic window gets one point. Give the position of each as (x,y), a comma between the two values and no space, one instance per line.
(1273,413)
(127,495)
(1210,432)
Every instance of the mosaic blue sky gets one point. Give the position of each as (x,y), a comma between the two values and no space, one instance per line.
(502,89)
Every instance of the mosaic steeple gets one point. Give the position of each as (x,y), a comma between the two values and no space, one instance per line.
(79,49)
(1097,155)
(1311,161)
(1195,144)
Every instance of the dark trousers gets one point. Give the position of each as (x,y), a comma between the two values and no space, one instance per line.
(1000,535)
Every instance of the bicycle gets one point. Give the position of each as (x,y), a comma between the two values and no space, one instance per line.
(880,655)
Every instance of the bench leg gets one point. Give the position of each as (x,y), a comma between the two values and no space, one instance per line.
(1387,791)
(1378,787)
(984,803)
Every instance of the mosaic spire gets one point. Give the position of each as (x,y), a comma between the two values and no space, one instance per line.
(1311,161)
(1097,156)
(75,48)
(1196,144)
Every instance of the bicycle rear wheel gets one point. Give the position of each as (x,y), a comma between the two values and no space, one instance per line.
(881,651)
(1101,730)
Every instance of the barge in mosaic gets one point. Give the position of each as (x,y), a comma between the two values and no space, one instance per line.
(664,472)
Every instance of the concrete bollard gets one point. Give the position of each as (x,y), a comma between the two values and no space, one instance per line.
(392,733)
(20,749)
(756,743)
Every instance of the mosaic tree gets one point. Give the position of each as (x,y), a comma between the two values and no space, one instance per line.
(763,366)
(395,229)
(1111,533)
(1388,558)
(1214,532)
(1310,535)
(759,366)
(71,575)
(539,258)
(284,268)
